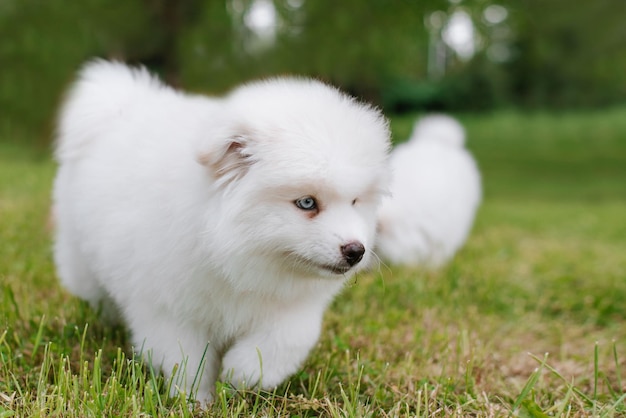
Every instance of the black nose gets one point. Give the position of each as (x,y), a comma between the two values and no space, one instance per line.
(353,252)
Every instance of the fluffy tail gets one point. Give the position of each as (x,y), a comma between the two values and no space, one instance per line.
(441,128)
(100,96)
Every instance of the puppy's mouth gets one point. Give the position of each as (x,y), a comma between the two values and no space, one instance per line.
(335,269)
(338,268)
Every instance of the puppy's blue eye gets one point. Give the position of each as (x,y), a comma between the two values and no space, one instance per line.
(306,203)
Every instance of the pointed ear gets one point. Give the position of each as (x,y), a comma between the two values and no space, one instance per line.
(229,161)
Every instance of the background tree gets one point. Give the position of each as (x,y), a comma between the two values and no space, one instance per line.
(528,53)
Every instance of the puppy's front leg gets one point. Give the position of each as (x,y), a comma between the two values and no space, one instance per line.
(167,344)
(273,351)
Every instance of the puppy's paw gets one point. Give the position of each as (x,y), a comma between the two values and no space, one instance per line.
(242,368)
(204,397)
(245,367)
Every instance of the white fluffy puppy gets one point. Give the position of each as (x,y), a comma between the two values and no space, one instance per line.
(435,192)
(219,229)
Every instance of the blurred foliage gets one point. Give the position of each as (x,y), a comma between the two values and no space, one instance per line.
(568,54)
(558,55)
(42,43)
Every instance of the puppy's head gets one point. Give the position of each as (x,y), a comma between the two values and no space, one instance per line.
(300,169)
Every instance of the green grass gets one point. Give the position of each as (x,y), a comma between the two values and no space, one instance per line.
(528,320)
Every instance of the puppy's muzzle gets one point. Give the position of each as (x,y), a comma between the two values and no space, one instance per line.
(352,252)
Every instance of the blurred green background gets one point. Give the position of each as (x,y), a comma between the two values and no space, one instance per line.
(404,55)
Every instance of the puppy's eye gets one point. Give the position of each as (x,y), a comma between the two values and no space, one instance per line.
(306,203)
(354,202)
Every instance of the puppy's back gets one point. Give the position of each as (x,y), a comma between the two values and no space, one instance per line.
(103,91)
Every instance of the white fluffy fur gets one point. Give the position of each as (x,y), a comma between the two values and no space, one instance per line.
(178,212)
(435,192)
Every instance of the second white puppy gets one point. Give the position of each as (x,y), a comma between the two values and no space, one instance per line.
(435,192)
(218,228)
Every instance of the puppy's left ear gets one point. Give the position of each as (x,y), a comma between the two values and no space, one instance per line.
(228,161)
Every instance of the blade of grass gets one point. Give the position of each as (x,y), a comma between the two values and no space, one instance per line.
(618,373)
(595,379)
(530,383)
(38,336)
(556,373)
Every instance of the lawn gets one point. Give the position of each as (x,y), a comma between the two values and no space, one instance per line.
(528,319)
